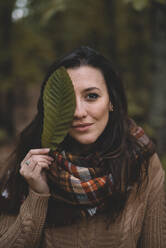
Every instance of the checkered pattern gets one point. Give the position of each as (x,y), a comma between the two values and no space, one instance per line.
(87,186)
(148,147)
(84,186)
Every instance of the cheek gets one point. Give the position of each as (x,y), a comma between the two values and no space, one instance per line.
(101,113)
(104,119)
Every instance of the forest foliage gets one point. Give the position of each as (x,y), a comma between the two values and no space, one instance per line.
(132,33)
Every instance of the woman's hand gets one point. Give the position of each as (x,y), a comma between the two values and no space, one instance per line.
(32,169)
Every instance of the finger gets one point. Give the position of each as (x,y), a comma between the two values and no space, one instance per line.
(34,169)
(43,165)
(39,168)
(34,160)
(37,158)
(28,162)
(40,151)
(26,168)
(42,162)
(40,157)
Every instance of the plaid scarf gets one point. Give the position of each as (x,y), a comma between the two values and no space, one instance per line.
(79,185)
(82,182)
(148,148)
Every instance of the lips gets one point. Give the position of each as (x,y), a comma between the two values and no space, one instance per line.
(82,126)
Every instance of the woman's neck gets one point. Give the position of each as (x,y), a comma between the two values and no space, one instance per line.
(74,147)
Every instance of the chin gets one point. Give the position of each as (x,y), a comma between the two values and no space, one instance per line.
(87,141)
(84,140)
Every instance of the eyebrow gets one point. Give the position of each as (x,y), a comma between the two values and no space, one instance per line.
(91,88)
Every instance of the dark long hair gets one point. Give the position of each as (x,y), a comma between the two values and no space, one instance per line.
(119,149)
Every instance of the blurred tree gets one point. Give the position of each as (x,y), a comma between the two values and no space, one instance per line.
(64,22)
(48,29)
(157,108)
(43,11)
(25,55)
(141,4)
(6,93)
(132,34)
(157,111)
(156,114)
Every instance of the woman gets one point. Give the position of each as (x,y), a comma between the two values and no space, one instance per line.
(120,201)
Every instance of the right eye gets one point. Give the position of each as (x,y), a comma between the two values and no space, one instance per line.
(92,96)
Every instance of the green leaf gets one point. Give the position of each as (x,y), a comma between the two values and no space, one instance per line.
(59,106)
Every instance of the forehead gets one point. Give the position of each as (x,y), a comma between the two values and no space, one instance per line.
(86,76)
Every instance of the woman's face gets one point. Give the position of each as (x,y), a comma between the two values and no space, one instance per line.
(92,104)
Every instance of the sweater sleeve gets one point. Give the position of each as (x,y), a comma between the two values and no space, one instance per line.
(154,228)
(25,229)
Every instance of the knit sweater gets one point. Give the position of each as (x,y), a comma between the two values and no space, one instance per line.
(142,224)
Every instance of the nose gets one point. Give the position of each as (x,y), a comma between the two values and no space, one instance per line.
(80,111)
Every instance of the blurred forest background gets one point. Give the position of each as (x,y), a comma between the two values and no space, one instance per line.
(34,33)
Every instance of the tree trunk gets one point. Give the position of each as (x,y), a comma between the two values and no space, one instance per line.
(157,114)
(6,95)
(131,38)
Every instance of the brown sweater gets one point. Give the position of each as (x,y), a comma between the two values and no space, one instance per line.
(142,225)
